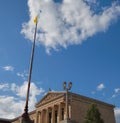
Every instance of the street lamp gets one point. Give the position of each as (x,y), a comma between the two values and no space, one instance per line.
(25,116)
(67,89)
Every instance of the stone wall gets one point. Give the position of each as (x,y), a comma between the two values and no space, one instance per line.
(80,105)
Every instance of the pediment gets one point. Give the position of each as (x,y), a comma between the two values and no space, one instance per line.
(50,96)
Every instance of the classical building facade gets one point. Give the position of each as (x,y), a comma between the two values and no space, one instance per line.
(52,109)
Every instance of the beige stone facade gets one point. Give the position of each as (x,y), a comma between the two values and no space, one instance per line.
(52,109)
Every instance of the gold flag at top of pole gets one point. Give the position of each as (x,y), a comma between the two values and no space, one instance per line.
(36,19)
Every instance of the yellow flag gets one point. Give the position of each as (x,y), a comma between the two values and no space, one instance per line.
(35,19)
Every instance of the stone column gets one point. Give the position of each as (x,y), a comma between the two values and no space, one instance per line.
(37,117)
(59,112)
(53,114)
(39,113)
(47,115)
(41,116)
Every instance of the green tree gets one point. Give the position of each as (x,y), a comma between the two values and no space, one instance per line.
(93,115)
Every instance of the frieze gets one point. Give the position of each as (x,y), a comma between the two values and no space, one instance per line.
(50,96)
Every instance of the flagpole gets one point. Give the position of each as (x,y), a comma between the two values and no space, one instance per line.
(25,116)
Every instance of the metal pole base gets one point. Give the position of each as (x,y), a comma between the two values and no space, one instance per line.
(26,119)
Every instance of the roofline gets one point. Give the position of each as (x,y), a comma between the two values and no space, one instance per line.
(92,99)
(84,97)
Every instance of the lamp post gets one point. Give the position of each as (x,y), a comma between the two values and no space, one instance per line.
(67,89)
(25,116)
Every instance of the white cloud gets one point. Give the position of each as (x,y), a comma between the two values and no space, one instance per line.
(21,90)
(113,96)
(4,86)
(117,90)
(9,107)
(100,87)
(8,68)
(13,106)
(23,75)
(117,115)
(67,23)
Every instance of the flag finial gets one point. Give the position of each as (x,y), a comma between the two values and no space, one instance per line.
(36,19)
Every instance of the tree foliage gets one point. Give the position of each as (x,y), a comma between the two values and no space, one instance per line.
(93,115)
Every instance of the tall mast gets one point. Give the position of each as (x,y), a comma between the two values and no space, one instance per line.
(25,116)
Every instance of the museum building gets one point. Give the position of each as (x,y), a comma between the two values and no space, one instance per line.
(52,109)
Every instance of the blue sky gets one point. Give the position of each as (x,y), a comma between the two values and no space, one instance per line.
(75,42)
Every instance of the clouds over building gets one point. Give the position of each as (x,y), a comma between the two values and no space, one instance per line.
(68,22)
(13,105)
